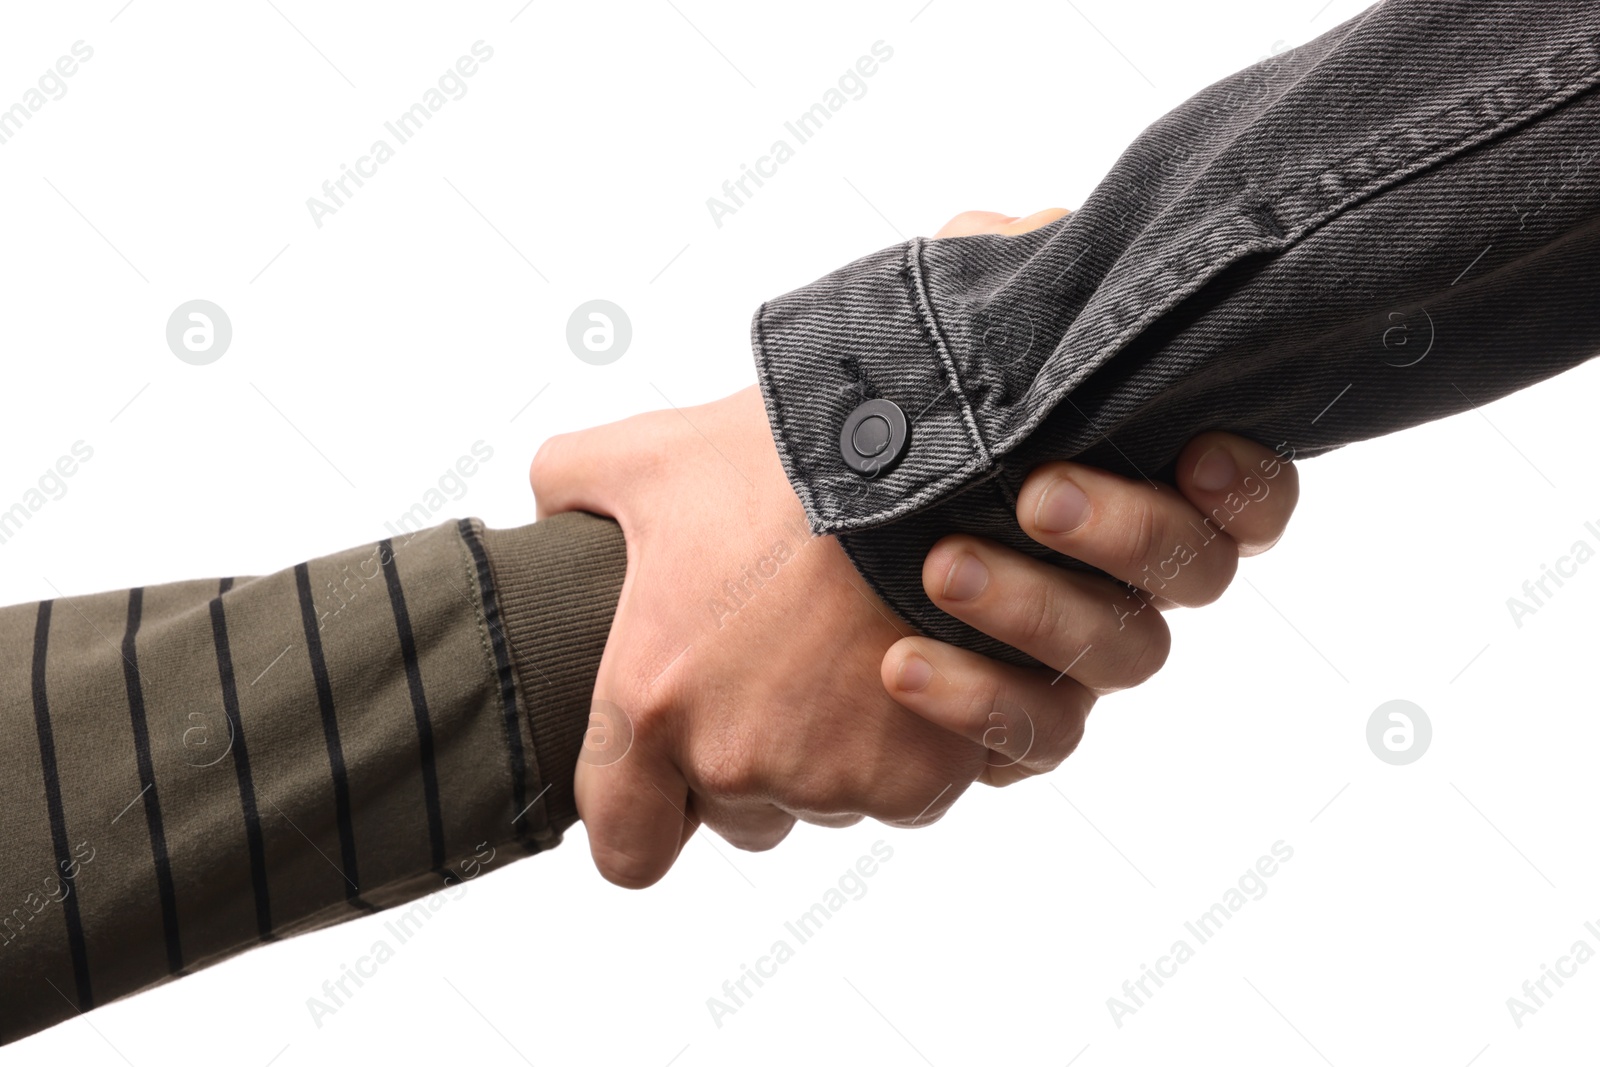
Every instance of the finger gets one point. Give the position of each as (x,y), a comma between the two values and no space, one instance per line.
(1081,624)
(1142,533)
(833,822)
(902,771)
(1245,489)
(897,768)
(1034,221)
(690,825)
(1027,723)
(969,223)
(753,826)
(636,811)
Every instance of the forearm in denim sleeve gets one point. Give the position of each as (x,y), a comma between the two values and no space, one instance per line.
(1391,224)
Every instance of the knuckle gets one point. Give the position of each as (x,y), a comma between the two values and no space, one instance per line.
(917,822)
(940,558)
(761,838)
(1061,735)
(626,869)
(1002,723)
(832,822)
(547,460)
(650,725)
(983,715)
(1150,654)
(811,793)
(1141,533)
(1220,563)
(920,790)
(762,842)
(724,773)
(913,810)
(1039,614)
(1018,741)
(1288,492)
(1065,745)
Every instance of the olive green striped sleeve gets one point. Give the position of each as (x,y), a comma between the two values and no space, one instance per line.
(195,768)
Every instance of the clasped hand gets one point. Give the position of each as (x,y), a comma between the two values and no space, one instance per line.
(752,678)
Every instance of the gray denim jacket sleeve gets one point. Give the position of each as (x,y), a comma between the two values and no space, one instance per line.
(1393,223)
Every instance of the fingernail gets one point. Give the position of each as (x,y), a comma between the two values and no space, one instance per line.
(967,578)
(915,673)
(1216,470)
(1062,509)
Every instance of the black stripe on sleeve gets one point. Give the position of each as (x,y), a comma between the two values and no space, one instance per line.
(419,700)
(241,766)
(330,734)
(508,686)
(58,815)
(147,774)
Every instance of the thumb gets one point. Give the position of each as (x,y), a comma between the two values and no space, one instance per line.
(633,800)
(577,472)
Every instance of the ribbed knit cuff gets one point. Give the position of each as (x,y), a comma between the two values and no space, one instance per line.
(557,584)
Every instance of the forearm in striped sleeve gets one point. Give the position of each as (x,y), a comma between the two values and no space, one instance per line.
(196,768)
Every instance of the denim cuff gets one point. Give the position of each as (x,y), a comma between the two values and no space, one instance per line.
(1425,173)
(865,332)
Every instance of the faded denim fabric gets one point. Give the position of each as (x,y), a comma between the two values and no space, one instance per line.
(1393,223)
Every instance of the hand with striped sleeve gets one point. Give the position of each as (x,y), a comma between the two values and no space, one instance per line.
(198,768)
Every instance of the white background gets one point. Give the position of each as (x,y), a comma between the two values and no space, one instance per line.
(370,353)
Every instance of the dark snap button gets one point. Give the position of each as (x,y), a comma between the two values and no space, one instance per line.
(873,437)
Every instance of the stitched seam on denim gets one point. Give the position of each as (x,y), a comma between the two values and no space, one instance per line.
(1161,278)
(836,520)
(941,484)
(1496,121)
(1479,280)
(1007,497)
(931,493)
(829,518)
(778,421)
(922,306)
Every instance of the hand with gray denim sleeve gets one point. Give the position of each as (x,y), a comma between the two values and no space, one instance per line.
(1100,632)
(1395,222)
(751,679)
